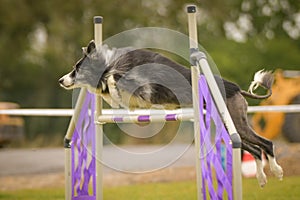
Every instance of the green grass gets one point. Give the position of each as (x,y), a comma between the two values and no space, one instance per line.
(153,191)
(41,194)
(289,188)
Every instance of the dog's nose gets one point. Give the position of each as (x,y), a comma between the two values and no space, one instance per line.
(61,80)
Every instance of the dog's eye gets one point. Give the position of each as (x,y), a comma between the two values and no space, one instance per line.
(77,65)
(73,74)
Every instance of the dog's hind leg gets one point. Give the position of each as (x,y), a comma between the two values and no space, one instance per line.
(255,151)
(265,144)
(268,147)
(275,168)
(260,174)
(237,107)
(269,150)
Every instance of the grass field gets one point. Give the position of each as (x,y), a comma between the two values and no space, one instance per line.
(289,189)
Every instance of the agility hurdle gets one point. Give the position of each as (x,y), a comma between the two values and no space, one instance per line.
(89,169)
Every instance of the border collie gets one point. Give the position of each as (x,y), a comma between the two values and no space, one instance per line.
(137,78)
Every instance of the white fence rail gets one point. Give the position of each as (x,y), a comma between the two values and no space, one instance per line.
(286,108)
(69,112)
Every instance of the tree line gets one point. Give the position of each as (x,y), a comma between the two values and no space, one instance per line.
(41,40)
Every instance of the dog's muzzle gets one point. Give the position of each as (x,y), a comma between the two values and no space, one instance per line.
(66,82)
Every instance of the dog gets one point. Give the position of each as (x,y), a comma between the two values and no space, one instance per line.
(139,78)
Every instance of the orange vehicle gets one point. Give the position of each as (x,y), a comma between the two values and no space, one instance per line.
(11,128)
(286,90)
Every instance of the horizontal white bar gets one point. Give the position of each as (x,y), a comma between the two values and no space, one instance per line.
(38,112)
(145,118)
(295,108)
(69,112)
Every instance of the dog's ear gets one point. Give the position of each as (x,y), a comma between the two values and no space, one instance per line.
(91,46)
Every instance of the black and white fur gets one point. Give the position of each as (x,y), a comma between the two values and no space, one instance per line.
(136,78)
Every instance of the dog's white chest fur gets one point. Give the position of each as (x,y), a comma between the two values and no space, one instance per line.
(113,97)
(118,97)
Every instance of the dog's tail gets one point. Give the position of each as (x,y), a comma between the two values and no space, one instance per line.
(264,79)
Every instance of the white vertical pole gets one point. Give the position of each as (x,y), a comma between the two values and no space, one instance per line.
(192,24)
(68,171)
(237,174)
(67,145)
(99,127)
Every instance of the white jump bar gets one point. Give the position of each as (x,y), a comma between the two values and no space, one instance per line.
(69,112)
(144,118)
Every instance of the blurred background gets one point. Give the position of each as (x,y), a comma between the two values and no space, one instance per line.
(41,40)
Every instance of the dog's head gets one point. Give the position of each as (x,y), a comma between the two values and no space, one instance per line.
(87,71)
